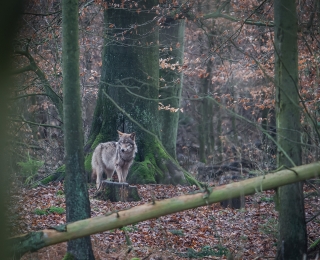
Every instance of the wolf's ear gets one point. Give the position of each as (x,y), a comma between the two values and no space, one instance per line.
(120,133)
(133,135)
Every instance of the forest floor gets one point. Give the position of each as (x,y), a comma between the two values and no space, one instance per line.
(207,232)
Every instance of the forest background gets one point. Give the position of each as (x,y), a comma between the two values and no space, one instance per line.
(227,107)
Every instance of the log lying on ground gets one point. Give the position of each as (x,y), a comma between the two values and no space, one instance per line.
(36,240)
(115,191)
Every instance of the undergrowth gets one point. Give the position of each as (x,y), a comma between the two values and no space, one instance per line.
(205,252)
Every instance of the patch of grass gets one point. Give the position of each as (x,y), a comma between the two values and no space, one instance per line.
(56,210)
(29,169)
(40,212)
(205,251)
(51,210)
(59,193)
(177,232)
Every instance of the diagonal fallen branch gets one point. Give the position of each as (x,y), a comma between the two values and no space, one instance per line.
(36,240)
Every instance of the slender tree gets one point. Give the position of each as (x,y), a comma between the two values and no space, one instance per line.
(292,242)
(77,198)
(171,37)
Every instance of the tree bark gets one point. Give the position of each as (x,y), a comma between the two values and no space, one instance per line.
(115,191)
(128,95)
(9,19)
(77,198)
(292,242)
(171,52)
(36,240)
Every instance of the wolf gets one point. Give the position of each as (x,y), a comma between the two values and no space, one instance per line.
(111,156)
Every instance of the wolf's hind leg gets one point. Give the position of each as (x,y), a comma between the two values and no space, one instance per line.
(99,178)
(109,173)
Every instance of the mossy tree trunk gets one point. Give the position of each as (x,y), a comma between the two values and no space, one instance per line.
(128,94)
(77,198)
(292,242)
(171,52)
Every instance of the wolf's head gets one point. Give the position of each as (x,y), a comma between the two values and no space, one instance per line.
(127,143)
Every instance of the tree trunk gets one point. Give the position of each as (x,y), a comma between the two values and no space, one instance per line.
(292,242)
(128,95)
(171,38)
(9,19)
(77,198)
(219,144)
(203,109)
(268,126)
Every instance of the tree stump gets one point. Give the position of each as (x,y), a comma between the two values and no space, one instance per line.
(117,191)
(235,203)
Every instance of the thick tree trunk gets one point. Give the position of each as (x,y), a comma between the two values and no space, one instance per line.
(77,198)
(36,240)
(171,53)
(9,18)
(128,95)
(292,242)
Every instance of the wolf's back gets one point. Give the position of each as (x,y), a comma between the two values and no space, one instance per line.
(108,154)
(103,158)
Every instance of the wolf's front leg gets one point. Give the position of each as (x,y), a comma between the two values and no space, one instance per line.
(120,174)
(124,175)
(99,179)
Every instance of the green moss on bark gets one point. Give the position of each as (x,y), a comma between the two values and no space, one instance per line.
(99,139)
(61,169)
(157,167)
(68,256)
(48,179)
(143,173)
(87,163)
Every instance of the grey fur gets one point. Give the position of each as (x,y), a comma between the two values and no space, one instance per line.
(111,156)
